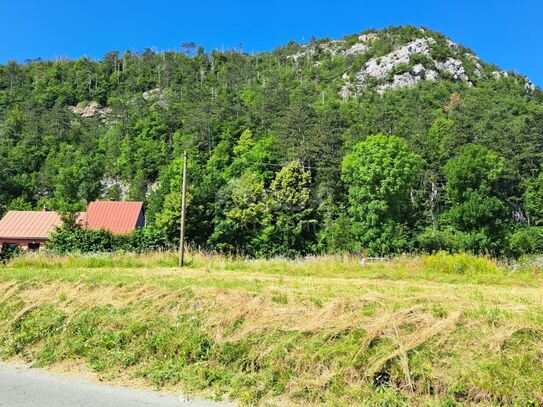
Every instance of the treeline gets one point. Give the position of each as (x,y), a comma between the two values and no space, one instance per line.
(279,164)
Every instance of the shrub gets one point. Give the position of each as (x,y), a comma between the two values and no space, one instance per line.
(8,252)
(432,241)
(70,239)
(425,60)
(146,239)
(526,241)
(336,235)
(478,242)
(67,239)
(440,51)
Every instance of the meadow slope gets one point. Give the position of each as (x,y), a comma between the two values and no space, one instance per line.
(431,330)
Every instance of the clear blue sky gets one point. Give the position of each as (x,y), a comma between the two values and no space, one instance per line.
(507,33)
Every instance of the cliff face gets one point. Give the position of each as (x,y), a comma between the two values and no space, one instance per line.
(387,60)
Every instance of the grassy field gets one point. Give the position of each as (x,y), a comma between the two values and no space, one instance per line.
(432,330)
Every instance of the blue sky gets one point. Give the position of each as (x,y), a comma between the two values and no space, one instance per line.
(509,34)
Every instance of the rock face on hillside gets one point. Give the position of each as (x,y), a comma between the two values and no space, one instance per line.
(336,48)
(91,109)
(385,69)
(155,95)
(430,57)
(356,49)
(114,188)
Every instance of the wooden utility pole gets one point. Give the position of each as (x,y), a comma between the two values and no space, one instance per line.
(183,205)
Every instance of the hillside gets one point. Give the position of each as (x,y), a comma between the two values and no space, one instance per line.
(77,130)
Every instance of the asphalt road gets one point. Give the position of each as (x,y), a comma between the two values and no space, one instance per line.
(21,387)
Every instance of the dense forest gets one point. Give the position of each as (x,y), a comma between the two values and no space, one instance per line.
(382,142)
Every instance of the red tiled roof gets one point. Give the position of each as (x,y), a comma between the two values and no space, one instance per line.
(28,224)
(117,217)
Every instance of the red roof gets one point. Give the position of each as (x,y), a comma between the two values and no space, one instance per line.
(28,224)
(117,217)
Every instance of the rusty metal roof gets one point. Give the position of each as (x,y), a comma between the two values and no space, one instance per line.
(117,217)
(28,224)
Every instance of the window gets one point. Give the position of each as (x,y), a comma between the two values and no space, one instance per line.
(33,247)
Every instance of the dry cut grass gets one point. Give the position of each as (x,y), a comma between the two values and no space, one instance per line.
(449,330)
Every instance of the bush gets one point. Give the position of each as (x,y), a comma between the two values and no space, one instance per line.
(8,252)
(336,236)
(441,51)
(66,239)
(526,241)
(147,239)
(76,239)
(385,239)
(432,241)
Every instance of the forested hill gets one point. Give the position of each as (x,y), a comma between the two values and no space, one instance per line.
(385,141)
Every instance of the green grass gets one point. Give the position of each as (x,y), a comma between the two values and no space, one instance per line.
(431,330)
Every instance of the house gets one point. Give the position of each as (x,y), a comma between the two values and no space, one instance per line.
(27,229)
(120,218)
(30,230)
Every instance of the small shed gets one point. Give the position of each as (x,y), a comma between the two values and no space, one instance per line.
(27,229)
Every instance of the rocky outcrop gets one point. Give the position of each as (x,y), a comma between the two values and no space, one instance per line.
(334,48)
(91,109)
(407,79)
(384,70)
(477,64)
(114,187)
(155,95)
(368,38)
(453,67)
(499,74)
(356,49)
(430,58)
(529,87)
(380,68)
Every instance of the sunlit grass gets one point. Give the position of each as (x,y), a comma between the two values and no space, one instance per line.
(413,330)
(440,267)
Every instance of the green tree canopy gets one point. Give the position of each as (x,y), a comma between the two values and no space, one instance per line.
(380,173)
(476,208)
